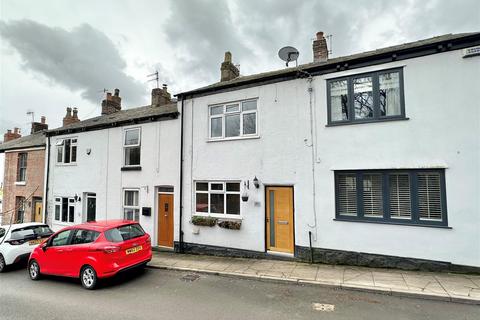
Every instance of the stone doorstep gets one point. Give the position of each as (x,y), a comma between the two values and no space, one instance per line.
(333,285)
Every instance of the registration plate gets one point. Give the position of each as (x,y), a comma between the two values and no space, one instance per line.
(35,242)
(133,250)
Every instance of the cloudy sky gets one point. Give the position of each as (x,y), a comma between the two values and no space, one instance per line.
(56,54)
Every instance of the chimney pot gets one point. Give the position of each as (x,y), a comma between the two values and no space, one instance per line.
(15,130)
(11,135)
(43,120)
(117,92)
(112,104)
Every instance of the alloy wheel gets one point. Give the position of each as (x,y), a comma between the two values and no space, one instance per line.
(88,277)
(34,270)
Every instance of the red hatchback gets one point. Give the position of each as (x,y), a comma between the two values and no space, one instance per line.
(91,251)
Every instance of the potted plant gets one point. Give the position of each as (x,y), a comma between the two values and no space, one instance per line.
(230,224)
(204,221)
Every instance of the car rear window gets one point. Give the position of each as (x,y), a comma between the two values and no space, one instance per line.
(31,232)
(124,233)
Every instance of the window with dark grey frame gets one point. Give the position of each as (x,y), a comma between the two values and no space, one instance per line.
(366,97)
(415,196)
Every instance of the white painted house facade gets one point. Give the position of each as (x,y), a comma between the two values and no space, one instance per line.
(123,164)
(371,159)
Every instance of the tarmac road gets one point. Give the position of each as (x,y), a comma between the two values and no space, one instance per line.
(161,294)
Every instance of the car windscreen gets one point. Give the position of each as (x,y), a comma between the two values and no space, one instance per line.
(31,232)
(124,233)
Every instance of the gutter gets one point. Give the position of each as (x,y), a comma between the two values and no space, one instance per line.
(181,180)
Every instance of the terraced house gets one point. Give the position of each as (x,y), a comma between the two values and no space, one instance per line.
(370,159)
(123,164)
(24,174)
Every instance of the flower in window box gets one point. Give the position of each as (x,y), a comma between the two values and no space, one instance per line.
(230,224)
(204,221)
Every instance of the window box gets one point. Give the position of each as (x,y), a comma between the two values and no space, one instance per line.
(414,197)
(233,120)
(204,221)
(367,97)
(230,224)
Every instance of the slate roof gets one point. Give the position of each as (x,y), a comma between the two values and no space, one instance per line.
(406,47)
(120,118)
(34,140)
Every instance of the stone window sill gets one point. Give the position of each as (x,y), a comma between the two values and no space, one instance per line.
(20,183)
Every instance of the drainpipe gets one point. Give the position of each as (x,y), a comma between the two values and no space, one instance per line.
(312,146)
(45,189)
(181,179)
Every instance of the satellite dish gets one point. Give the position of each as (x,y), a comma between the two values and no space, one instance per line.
(288,54)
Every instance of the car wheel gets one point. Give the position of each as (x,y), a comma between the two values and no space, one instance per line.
(2,264)
(34,270)
(88,277)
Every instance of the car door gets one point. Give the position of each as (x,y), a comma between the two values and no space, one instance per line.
(55,260)
(78,250)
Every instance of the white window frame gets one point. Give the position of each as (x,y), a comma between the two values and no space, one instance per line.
(60,143)
(70,203)
(224,192)
(139,144)
(224,113)
(20,168)
(129,206)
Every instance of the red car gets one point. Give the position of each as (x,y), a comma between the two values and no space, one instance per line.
(92,251)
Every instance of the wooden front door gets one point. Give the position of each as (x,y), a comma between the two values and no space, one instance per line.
(279,219)
(165,220)
(38,211)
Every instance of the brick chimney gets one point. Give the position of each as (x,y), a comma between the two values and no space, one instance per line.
(320,50)
(160,97)
(69,119)
(228,69)
(9,135)
(39,126)
(112,104)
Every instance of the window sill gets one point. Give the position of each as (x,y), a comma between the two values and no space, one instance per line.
(234,138)
(20,183)
(61,223)
(60,164)
(218,216)
(401,223)
(335,124)
(132,168)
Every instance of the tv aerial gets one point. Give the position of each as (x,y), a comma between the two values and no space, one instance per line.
(289,54)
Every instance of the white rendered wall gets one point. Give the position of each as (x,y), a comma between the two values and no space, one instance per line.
(442,102)
(100,172)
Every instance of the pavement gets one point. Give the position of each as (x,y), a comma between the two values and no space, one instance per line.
(460,288)
(184,295)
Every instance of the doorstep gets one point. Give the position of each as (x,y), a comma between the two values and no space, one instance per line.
(459,288)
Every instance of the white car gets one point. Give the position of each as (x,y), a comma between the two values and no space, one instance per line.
(17,241)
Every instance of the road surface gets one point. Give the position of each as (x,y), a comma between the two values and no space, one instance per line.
(161,294)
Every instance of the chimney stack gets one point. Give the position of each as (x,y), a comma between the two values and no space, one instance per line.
(320,49)
(160,97)
(112,104)
(9,135)
(228,70)
(69,119)
(39,126)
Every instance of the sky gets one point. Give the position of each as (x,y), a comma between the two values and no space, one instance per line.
(58,54)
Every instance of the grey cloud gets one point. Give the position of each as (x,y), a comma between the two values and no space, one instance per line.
(82,59)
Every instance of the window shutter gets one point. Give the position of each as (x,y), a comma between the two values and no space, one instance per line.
(347,195)
(372,195)
(400,202)
(429,196)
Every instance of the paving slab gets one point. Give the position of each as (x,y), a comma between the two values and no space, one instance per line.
(459,288)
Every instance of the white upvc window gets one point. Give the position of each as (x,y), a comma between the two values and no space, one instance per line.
(65,209)
(67,150)
(131,147)
(217,198)
(131,207)
(233,120)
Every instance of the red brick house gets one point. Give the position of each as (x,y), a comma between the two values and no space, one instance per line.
(24,175)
